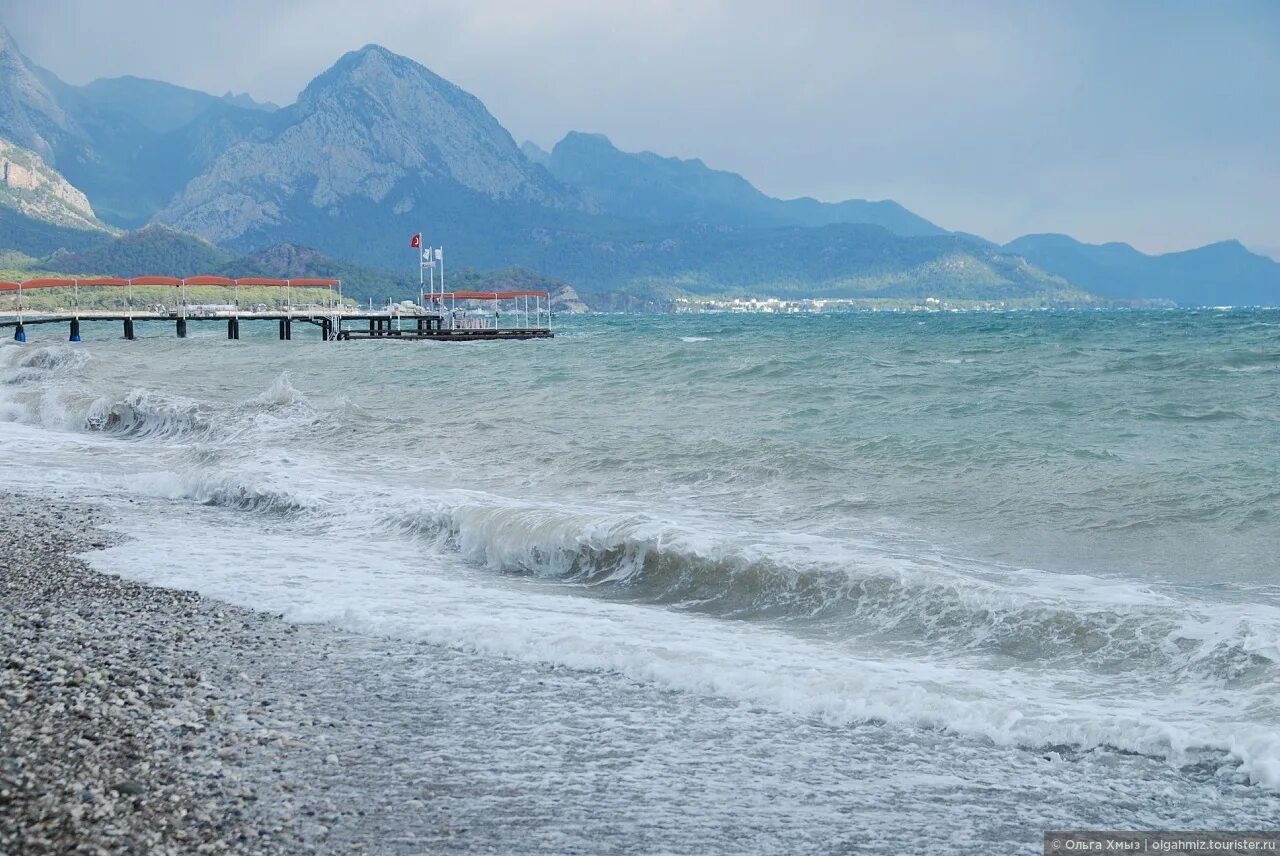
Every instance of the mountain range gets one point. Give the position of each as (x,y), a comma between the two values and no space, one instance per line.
(379,147)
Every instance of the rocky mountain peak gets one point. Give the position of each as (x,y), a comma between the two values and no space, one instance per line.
(375,127)
(29,113)
(36,190)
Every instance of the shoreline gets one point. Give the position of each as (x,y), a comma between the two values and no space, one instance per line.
(129,720)
(141,719)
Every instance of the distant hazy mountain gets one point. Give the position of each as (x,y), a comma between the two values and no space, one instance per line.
(535,153)
(843,259)
(660,189)
(145,140)
(157,106)
(1217,274)
(30,115)
(378,129)
(378,147)
(129,144)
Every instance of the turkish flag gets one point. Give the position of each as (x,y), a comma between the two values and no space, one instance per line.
(416,241)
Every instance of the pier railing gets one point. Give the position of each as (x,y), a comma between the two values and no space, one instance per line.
(460,316)
(495,310)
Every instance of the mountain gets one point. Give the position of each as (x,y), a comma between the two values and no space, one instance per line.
(156,106)
(535,153)
(30,236)
(246,101)
(660,189)
(153,250)
(39,209)
(288,261)
(143,140)
(840,260)
(36,190)
(1224,273)
(378,147)
(129,144)
(375,130)
(30,114)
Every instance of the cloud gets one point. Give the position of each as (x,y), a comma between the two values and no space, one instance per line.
(1152,122)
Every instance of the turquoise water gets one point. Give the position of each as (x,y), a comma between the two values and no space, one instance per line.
(994,538)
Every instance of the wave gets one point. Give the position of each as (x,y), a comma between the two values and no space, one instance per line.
(224,490)
(280,393)
(45,358)
(22,366)
(1023,704)
(1070,711)
(144,414)
(848,590)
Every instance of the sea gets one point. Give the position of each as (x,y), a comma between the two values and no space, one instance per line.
(868,578)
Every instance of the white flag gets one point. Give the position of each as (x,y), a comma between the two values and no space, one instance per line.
(439,254)
(426,255)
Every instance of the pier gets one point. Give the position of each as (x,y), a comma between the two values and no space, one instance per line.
(463,316)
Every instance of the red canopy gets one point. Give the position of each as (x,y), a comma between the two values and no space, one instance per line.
(492,295)
(310,283)
(48,283)
(202,279)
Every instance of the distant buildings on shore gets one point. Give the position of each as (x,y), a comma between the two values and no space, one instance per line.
(827,304)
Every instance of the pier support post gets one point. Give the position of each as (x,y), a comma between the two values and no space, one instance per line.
(419,326)
(233,328)
(128,329)
(182,328)
(75,330)
(324,329)
(286,329)
(19,333)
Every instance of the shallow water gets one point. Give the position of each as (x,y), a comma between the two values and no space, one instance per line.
(1033,548)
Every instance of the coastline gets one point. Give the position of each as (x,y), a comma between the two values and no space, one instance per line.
(143,719)
(130,717)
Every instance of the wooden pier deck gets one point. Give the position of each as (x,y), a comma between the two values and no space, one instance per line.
(332,326)
(446,317)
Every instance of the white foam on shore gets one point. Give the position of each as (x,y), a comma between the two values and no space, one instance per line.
(386,589)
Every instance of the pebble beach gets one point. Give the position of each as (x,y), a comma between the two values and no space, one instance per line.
(137,719)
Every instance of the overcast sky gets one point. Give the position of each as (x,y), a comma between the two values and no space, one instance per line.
(1156,123)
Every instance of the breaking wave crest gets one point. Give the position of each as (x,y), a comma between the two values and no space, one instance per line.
(143,414)
(224,490)
(848,590)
